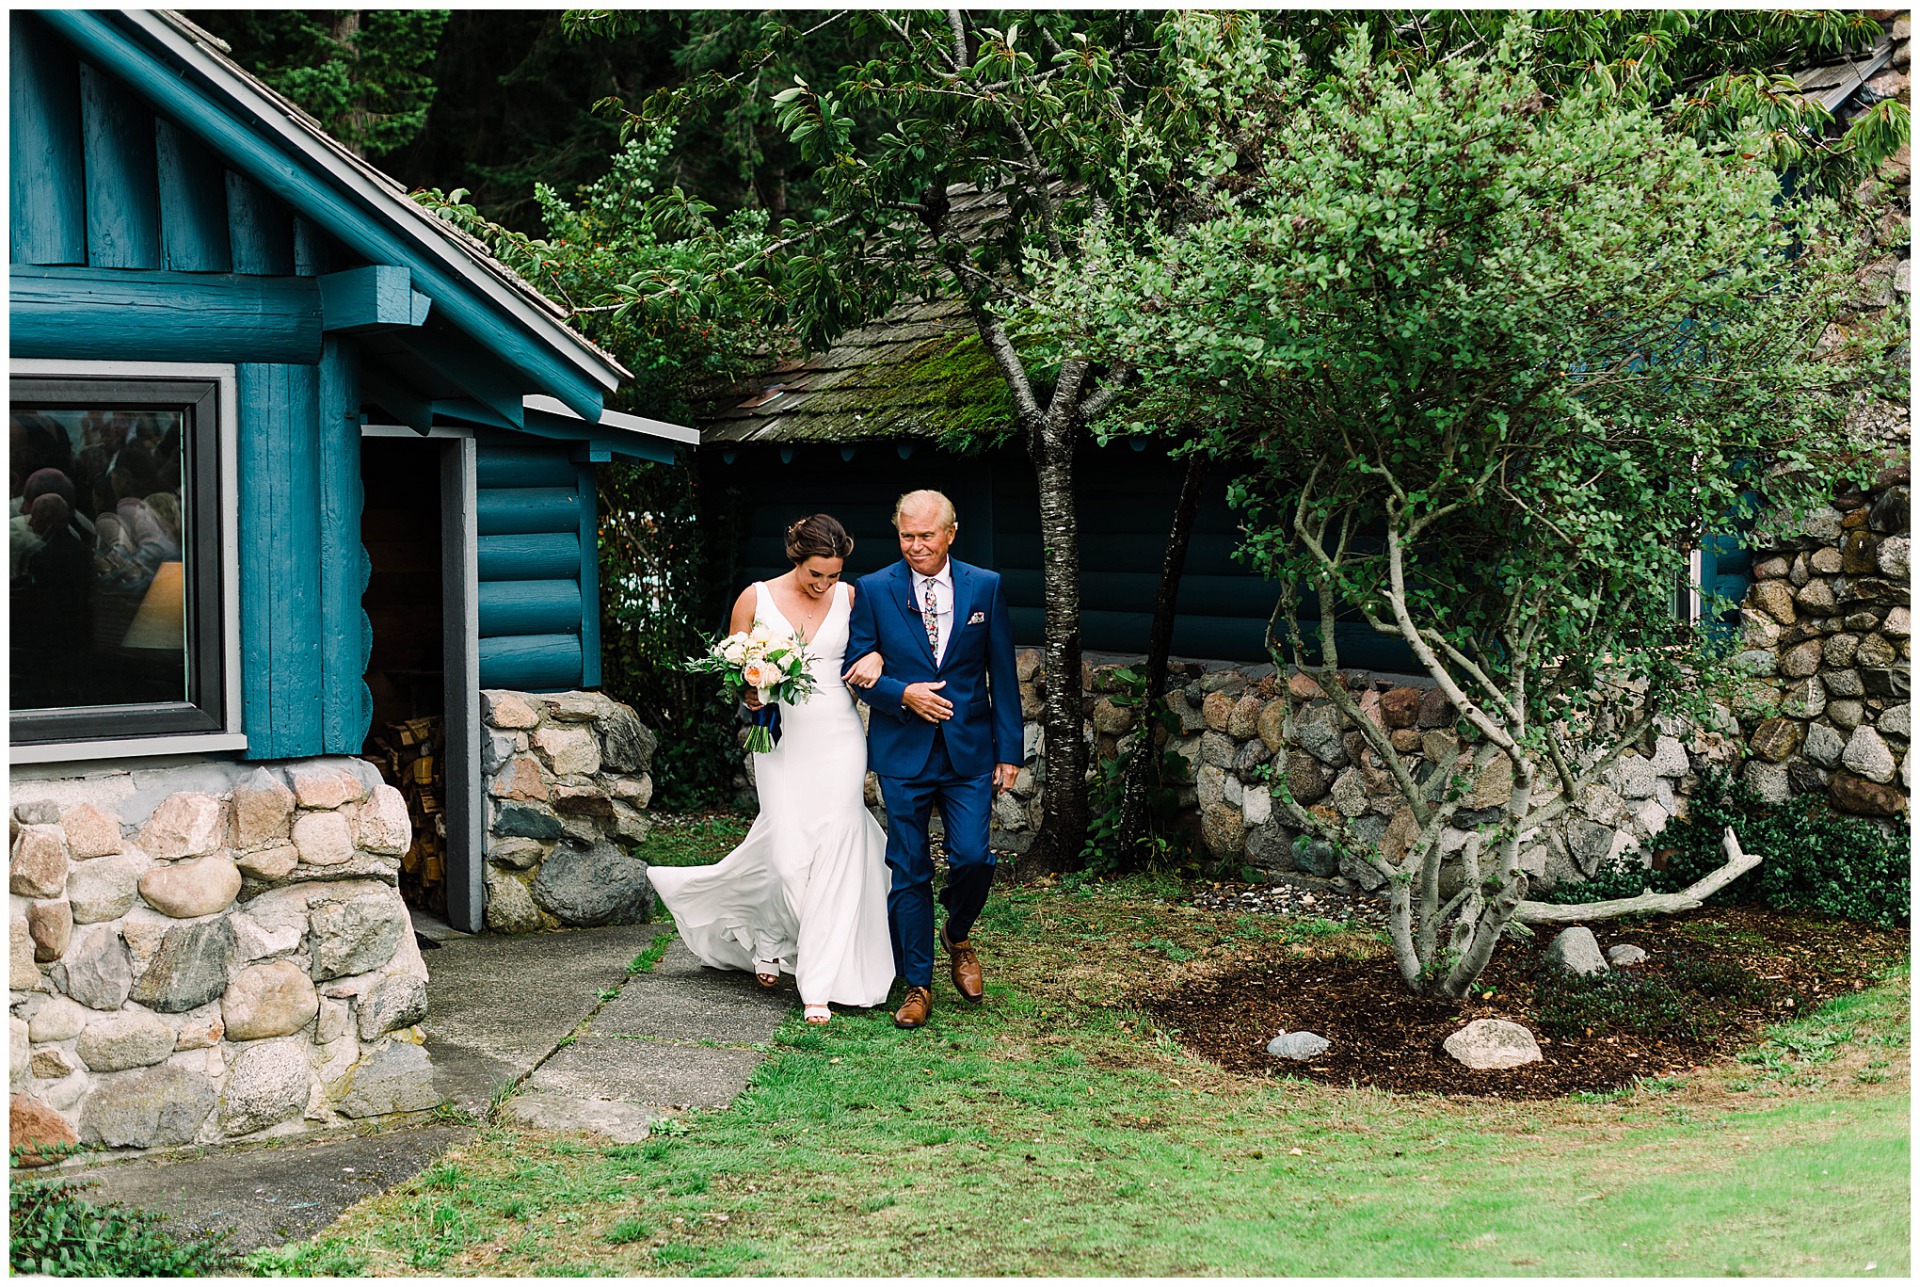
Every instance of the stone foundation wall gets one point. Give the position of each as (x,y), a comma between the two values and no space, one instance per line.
(1827,629)
(1241,728)
(1823,709)
(211,951)
(567,785)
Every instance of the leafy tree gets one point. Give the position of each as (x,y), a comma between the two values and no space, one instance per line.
(363,73)
(1497,358)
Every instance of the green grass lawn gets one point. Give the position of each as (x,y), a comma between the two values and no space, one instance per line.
(1054,1131)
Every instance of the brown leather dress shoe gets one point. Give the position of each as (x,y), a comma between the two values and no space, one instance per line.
(967,979)
(914,1010)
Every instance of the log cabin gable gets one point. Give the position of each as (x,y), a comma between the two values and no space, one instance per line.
(171,215)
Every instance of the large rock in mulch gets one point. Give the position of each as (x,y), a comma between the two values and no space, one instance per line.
(149,1108)
(1626,954)
(1493,1043)
(1298,1045)
(190,968)
(33,1128)
(1577,951)
(266,1084)
(597,886)
(356,935)
(272,999)
(397,1078)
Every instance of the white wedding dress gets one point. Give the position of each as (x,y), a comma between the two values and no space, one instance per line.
(808,886)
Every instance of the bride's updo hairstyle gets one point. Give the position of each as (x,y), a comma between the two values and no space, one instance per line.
(817,536)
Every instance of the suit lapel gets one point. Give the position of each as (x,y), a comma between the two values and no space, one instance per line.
(962,606)
(916,623)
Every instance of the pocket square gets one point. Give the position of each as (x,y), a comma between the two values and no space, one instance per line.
(976,618)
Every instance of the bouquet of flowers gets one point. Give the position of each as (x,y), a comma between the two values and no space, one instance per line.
(774,668)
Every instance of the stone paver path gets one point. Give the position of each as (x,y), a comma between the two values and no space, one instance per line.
(501,1011)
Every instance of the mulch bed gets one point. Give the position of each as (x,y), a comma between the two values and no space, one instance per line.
(1385,1037)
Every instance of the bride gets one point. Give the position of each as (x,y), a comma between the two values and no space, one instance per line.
(806,891)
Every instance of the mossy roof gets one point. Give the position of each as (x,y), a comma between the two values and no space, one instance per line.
(918,372)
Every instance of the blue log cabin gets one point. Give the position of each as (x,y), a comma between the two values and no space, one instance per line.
(292,459)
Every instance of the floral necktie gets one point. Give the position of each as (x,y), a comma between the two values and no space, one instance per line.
(931,615)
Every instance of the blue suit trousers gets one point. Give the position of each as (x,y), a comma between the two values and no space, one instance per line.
(966,804)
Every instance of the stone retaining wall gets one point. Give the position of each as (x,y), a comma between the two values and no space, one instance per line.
(1824,709)
(1242,726)
(211,951)
(567,784)
(1827,629)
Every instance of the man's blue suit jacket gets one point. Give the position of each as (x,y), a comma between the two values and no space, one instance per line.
(984,730)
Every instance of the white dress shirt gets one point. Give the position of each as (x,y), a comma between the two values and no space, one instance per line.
(942,583)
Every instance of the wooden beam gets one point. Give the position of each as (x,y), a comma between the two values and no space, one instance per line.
(280,608)
(346,705)
(259,228)
(535,663)
(48,201)
(410,408)
(123,193)
(193,203)
(589,618)
(480,374)
(162,317)
(377,297)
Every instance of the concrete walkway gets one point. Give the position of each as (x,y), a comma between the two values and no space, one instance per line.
(524,1014)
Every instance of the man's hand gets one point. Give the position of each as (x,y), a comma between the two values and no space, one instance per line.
(1003,777)
(925,701)
(863,672)
(751,698)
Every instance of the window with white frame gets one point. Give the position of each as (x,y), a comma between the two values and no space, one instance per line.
(119,588)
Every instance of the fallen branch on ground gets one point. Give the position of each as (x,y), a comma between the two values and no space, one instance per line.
(1738,864)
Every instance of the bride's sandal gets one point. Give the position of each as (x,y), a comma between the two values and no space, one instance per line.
(818,1014)
(767,973)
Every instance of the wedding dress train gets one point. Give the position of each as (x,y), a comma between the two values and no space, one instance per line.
(808,885)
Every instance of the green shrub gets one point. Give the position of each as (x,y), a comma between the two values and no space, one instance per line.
(56,1231)
(1816,859)
(1568,1005)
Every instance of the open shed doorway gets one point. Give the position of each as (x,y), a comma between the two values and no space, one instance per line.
(417,525)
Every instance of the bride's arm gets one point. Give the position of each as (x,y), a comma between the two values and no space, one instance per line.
(740,622)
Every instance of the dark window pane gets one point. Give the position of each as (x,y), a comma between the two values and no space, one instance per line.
(102,573)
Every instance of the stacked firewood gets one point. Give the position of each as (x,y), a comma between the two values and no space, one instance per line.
(415,766)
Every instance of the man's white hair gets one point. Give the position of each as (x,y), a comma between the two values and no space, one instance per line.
(914,500)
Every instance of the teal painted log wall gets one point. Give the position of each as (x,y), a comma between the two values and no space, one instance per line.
(539,610)
(346,633)
(281,618)
(47,188)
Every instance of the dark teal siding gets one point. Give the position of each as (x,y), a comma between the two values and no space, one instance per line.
(539,616)
(1125,506)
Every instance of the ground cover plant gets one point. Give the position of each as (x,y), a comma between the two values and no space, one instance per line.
(1061,1129)
(54,1228)
(1816,859)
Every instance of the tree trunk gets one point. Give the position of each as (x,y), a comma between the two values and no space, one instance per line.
(1132,833)
(1057,845)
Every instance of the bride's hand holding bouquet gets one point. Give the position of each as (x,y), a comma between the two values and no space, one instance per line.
(761,670)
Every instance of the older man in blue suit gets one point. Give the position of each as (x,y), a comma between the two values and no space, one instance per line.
(936,668)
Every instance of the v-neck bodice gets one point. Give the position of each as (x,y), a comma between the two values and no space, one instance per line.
(827,650)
